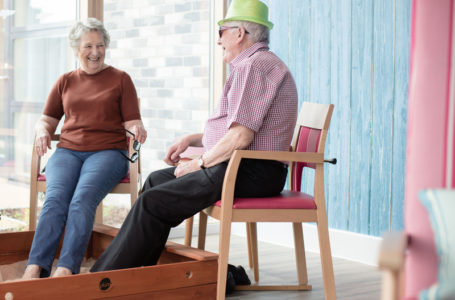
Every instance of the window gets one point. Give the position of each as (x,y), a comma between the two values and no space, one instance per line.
(34,52)
(165,46)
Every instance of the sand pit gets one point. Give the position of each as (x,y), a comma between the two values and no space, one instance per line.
(15,270)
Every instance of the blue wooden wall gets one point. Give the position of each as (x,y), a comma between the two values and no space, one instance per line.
(354,54)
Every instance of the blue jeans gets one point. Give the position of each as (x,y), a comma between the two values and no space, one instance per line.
(76,183)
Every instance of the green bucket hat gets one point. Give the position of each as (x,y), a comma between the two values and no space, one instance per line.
(248,10)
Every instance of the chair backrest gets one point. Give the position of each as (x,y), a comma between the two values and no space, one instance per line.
(309,136)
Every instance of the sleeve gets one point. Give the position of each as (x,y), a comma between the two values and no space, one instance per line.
(54,103)
(129,102)
(250,97)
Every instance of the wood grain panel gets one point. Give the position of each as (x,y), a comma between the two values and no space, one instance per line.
(355,54)
(299,45)
(339,133)
(382,112)
(361,97)
(279,16)
(319,62)
(401,71)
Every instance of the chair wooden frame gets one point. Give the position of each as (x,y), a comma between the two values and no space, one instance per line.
(309,117)
(391,261)
(131,184)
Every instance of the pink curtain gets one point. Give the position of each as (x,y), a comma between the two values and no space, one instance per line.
(429,155)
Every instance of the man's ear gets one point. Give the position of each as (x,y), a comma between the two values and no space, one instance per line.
(241,34)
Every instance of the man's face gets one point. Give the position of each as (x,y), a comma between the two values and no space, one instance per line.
(228,40)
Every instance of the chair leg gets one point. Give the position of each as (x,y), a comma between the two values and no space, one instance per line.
(99,214)
(33,206)
(248,240)
(188,231)
(133,196)
(254,249)
(326,259)
(390,285)
(202,230)
(225,236)
(299,247)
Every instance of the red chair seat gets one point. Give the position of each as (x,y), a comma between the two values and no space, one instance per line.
(126,179)
(286,200)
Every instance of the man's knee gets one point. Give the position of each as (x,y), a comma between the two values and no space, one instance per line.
(159,177)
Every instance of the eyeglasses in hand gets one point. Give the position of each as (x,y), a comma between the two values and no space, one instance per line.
(136,147)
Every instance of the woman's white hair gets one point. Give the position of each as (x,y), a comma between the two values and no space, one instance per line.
(81,28)
(256,32)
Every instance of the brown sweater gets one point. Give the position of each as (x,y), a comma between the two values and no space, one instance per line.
(95,106)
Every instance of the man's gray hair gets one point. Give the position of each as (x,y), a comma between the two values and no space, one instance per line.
(81,28)
(257,32)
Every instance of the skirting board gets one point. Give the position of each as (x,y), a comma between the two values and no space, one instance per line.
(344,244)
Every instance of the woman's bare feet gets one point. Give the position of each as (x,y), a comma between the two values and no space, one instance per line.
(31,272)
(62,271)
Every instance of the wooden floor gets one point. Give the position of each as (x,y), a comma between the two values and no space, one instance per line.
(277,264)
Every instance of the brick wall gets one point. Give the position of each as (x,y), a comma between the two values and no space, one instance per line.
(164,47)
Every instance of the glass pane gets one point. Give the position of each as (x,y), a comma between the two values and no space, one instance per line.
(34,52)
(23,144)
(38,62)
(165,47)
(39,12)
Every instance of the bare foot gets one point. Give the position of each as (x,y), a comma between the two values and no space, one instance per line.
(31,272)
(62,271)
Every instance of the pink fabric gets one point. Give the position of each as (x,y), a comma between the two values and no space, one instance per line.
(192,152)
(426,141)
(308,141)
(126,179)
(286,200)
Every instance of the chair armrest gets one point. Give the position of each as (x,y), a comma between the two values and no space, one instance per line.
(392,251)
(308,157)
(231,172)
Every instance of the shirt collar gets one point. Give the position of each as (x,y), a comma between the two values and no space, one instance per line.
(260,46)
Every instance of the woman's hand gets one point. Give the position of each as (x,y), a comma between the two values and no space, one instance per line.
(186,168)
(43,129)
(137,128)
(42,141)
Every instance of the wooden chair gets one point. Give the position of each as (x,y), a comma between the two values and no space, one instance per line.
(391,260)
(130,184)
(290,206)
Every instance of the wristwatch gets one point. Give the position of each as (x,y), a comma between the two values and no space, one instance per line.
(200,162)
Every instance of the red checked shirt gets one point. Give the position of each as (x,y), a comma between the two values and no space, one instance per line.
(259,94)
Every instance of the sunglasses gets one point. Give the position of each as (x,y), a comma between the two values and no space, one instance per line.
(136,146)
(223,28)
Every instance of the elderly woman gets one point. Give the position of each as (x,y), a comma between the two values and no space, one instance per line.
(100,105)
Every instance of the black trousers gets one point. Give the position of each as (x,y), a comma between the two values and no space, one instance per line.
(166,201)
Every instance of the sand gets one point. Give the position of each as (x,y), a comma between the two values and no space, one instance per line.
(15,270)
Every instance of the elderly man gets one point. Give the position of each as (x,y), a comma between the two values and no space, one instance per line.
(257,111)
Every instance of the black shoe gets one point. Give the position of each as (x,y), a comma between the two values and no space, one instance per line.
(239,274)
(230,283)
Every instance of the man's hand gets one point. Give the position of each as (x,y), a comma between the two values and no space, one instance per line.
(173,153)
(186,168)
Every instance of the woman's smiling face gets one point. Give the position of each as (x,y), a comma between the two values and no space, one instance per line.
(91,52)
